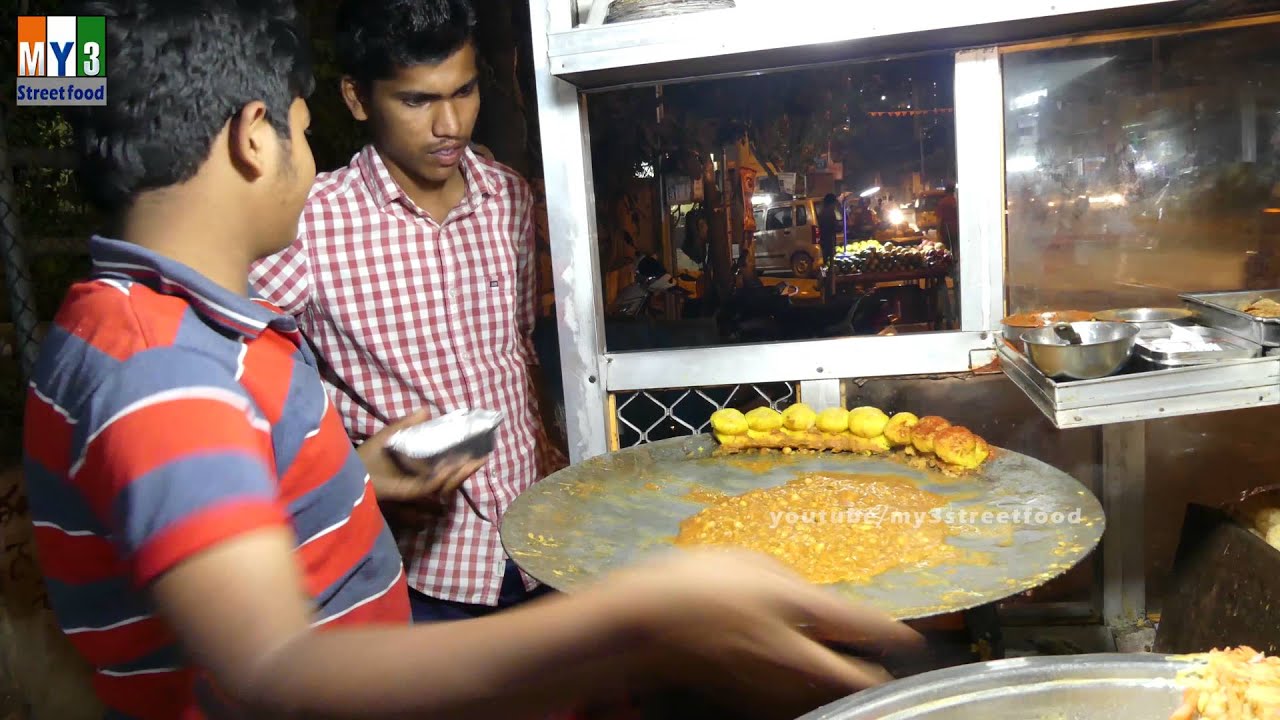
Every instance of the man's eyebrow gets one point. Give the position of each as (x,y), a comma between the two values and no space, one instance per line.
(464,87)
(421,96)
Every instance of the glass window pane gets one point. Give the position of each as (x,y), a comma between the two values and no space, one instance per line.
(1141,169)
(737,168)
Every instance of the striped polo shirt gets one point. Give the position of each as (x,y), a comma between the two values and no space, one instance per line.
(167,415)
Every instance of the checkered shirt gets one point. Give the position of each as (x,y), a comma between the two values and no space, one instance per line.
(407,312)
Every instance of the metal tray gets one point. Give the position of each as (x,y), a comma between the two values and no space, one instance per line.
(1104,686)
(1233,347)
(1158,393)
(1224,311)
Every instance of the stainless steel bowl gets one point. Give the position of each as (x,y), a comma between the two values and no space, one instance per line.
(1145,318)
(1104,349)
(1105,686)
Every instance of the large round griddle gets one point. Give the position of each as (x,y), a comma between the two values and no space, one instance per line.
(616,509)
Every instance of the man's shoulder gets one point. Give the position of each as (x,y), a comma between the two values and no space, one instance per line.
(341,191)
(111,332)
(507,181)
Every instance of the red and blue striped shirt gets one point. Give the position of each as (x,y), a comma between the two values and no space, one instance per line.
(167,415)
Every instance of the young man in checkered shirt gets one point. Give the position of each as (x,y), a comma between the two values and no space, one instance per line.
(414,275)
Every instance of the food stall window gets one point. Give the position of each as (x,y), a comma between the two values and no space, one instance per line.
(1137,170)
(1141,169)
(741,167)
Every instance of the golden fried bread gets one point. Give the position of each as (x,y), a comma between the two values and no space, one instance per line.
(729,422)
(898,429)
(867,422)
(799,418)
(764,419)
(833,421)
(957,446)
(931,441)
(923,434)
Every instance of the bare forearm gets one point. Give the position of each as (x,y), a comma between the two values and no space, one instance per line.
(515,664)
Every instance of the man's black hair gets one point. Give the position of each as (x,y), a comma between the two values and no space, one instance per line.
(176,73)
(376,37)
(829,199)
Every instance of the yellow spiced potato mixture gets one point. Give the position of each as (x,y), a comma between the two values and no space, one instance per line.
(830,527)
(930,441)
(1232,684)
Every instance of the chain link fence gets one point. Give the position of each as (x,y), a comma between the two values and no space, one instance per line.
(43,230)
(649,415)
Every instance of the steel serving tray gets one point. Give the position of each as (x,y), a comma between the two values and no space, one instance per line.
(1233,347)
(1104,686)
(1166,392)
(1226,312)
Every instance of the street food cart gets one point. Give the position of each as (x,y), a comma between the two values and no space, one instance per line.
(1044,226)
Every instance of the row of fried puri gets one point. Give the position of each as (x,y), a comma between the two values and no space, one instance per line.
(863,429)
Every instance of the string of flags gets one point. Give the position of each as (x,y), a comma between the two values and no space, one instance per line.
(910,113)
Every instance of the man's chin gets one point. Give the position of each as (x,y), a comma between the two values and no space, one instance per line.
(435,174)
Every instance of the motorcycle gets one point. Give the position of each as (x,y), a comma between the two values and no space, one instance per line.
(760,313)
(636,300)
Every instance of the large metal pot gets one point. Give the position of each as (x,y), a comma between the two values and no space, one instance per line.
(1104,686)
(1103,349)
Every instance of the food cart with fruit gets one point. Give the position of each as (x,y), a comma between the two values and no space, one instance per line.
(1087,132)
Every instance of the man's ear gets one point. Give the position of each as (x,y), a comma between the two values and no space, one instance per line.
(355,98)
(252,140)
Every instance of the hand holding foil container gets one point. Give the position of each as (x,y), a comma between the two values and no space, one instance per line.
(459,436)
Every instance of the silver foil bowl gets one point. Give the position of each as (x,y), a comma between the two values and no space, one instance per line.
(462,434)
(1104,348)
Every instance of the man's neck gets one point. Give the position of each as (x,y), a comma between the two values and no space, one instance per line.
(438,199)
(190,234)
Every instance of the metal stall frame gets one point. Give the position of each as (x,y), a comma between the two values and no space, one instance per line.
(570,62)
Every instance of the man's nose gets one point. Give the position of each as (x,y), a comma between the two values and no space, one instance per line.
(446,124)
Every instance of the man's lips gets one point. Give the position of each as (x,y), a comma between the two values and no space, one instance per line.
(448,155)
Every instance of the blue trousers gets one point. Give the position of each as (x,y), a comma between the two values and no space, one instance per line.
(428,609)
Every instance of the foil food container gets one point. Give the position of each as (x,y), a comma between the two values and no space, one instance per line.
(1174,346)
(461,434)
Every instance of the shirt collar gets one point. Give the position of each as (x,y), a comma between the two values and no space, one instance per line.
(477,176)
(215,304)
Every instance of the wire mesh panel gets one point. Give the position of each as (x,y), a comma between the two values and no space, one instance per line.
(649,415)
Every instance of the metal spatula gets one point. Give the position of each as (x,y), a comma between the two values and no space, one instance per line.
(1068,333)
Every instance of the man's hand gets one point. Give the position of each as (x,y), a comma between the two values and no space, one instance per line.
(742,624)
(393,483)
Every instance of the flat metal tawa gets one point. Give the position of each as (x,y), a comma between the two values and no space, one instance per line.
(617,509)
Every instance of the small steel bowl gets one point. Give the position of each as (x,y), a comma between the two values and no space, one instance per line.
(1104,349)
(1146,318)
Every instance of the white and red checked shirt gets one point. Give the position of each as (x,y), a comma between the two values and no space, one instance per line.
(407,313)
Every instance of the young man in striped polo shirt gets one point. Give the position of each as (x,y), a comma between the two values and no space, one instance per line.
(211,541)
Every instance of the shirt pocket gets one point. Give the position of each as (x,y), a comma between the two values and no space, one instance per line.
(493,316)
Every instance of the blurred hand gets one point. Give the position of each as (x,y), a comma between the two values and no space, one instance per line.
(425,488)
(742,623)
